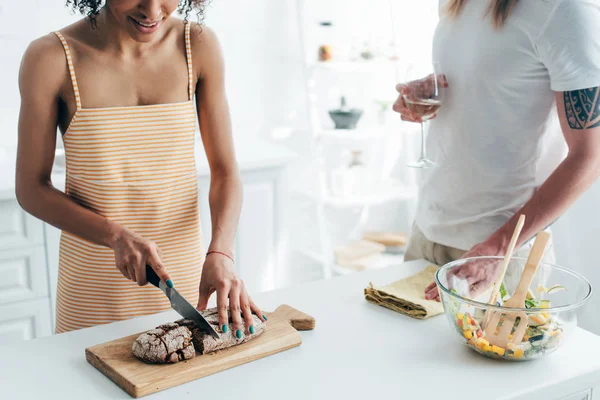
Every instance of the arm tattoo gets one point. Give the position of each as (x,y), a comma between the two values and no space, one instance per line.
(583,108)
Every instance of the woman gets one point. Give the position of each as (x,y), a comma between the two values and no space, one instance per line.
(508,65)
(125,86)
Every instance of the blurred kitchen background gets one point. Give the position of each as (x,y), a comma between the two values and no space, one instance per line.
(319,201)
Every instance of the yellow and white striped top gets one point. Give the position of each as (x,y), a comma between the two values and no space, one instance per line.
(134,165)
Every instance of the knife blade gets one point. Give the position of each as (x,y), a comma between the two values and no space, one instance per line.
(180,304)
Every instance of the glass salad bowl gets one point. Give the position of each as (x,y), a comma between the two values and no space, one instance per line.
(553,300)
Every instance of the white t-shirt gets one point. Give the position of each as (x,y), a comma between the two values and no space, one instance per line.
(495,138)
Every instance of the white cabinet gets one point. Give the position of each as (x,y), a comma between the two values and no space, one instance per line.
(24,294)
(24,274)
(17,228)
(25,320)
(255,236)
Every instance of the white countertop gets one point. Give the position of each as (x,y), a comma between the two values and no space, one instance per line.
(357,351)
(251,155)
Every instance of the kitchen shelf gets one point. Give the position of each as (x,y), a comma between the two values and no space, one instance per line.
(369,135)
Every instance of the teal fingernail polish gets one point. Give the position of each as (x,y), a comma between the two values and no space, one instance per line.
(224,328)
(251,329)
(239,334)
(169,283)
(264,317)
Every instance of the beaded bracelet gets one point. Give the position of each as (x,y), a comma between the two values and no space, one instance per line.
(221,253)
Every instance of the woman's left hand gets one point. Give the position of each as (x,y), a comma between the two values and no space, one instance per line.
(479,275)
(218,274)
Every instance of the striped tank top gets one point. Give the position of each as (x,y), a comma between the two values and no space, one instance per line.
(133,165)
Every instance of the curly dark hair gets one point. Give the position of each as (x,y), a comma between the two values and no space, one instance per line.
(91,8)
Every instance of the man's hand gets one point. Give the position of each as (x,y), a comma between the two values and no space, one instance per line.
(479,275)
(422,88)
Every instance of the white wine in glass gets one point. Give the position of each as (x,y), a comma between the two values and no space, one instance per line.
(423,97)
(425,109)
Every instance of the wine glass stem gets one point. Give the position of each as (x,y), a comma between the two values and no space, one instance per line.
(423,154)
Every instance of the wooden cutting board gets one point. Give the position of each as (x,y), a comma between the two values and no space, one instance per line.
(116,360)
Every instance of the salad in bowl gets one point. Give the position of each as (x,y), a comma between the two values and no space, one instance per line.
(553,300)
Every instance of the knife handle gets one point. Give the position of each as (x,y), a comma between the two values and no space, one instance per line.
(152,277)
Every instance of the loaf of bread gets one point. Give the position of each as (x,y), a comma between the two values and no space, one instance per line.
(169,343)
(205,343)
(180,340)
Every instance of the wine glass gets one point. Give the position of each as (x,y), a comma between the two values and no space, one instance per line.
(423,97)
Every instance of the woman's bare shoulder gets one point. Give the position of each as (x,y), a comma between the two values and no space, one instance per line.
(202,36)
(44,59)
(48,47)
(207,54)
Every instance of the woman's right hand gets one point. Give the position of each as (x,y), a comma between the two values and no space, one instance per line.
(422,88)
(133,253)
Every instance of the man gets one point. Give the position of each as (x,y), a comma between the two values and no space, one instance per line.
(508,65)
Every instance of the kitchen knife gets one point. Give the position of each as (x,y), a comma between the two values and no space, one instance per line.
(180,304)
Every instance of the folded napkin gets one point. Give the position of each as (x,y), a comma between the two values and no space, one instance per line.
(407,296)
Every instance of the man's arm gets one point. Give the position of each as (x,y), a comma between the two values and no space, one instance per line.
(579,113)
